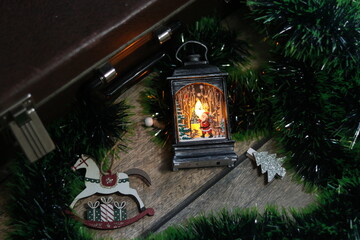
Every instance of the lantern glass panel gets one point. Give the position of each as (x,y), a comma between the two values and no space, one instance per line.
(200,113)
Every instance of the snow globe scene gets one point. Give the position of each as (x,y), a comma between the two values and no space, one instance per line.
(200,113)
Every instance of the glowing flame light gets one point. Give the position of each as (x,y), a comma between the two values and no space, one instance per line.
(199,110)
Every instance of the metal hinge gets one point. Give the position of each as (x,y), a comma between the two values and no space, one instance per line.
(28,129)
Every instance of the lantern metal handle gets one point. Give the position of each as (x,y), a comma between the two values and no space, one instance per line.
(191,41)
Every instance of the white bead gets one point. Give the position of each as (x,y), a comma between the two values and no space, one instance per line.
(149,121)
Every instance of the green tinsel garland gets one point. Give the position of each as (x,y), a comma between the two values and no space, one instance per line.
(39,195)
(306,107)
(322,32)
(309,103)
(41,191)
(249,104)
(93,127)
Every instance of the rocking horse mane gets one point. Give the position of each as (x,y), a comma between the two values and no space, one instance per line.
(136,171)
(133,171)
(87,158)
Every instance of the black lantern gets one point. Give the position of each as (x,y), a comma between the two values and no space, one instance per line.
(201,126)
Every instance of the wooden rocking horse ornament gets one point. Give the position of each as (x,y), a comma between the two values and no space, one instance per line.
(95,182)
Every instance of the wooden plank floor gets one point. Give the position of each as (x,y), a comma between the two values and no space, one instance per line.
(245,187)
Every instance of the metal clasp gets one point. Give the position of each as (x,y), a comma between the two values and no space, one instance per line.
(28,129)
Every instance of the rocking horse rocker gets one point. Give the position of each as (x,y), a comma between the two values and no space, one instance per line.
(95,182)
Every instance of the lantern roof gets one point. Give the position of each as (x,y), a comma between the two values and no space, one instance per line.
(196,67)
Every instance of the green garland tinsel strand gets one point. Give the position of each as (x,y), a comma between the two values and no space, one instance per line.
(304,113)
(41,191)
(309,104)
(249,105)
(348,131)
(93,127)
(39,195)
(322,32)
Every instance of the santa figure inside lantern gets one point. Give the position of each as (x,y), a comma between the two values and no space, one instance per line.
(205,124)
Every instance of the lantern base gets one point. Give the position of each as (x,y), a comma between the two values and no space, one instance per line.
(204,154)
